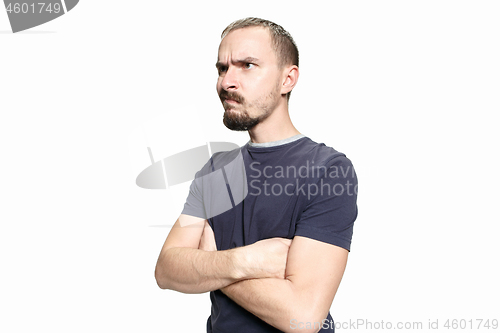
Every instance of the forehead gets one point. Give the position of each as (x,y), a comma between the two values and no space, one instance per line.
(246,42)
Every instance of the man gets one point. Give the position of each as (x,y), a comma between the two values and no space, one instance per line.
(273,260)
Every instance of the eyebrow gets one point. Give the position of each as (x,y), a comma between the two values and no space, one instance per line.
(219,64)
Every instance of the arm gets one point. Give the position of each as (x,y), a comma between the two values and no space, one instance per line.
(183,267)
(313,273)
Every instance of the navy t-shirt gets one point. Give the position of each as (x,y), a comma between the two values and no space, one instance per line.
(298,188)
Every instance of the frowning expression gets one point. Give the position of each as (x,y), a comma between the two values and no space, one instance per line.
(249,77)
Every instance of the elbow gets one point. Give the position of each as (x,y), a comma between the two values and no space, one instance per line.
(163,274)
(161,277)
(160,281)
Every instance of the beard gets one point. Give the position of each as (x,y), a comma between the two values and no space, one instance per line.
(236,117)
(240,122)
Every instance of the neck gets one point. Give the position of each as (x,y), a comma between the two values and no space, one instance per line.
(277,126)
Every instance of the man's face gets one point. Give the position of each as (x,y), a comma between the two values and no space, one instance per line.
(249,83)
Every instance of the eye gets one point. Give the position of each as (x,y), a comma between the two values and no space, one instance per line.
(221,69)
(249,65)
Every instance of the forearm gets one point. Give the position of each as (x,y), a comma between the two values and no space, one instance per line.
(275,301)
(191,270)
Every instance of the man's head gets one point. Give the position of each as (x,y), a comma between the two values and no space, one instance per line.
(258,68)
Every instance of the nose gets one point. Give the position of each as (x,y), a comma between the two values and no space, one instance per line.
(230,79)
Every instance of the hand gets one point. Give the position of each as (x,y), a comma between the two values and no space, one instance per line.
(207,241)
(266,258)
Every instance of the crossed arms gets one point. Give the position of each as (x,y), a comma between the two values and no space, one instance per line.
(276,279)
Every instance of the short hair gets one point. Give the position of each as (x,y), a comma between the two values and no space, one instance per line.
(283,44)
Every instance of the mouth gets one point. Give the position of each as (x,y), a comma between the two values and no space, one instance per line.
(230,98)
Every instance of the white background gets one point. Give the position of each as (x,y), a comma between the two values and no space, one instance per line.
(408,90)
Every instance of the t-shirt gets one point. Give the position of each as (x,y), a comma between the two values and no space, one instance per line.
(288,188)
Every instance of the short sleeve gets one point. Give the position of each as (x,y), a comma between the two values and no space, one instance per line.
(194,202)
(331,204)
(216,185)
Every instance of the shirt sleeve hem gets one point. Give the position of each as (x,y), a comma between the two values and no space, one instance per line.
(323,236)
(192,212)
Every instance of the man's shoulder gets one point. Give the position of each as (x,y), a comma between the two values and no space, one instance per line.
(220,159)
(223,158)
(322,154)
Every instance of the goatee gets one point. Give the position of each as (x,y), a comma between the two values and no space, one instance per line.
(236,117)
(239,121)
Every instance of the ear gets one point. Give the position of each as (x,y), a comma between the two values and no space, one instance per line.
(290,78)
